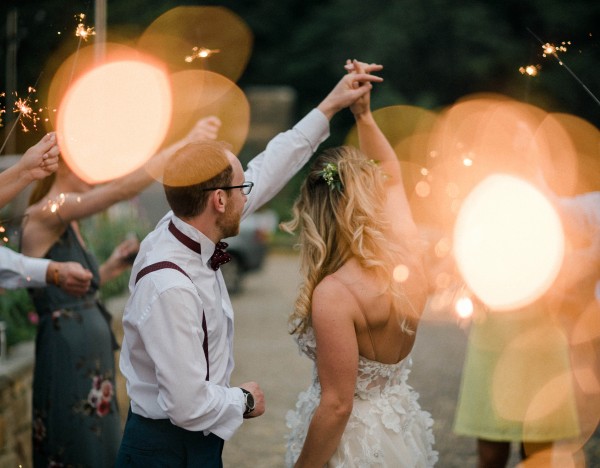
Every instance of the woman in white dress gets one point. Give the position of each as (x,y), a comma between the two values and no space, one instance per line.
(358,309)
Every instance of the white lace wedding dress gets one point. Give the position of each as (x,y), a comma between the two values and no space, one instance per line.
(387,427)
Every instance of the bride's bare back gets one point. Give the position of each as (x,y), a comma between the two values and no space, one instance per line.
(379,328)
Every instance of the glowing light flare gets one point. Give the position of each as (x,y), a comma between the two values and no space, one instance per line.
(464,307)
(536,348)
(408,130)
(200,93)
(508,242)
(113,119)
(422,189)
(200,53)
(400,273)
(219,39)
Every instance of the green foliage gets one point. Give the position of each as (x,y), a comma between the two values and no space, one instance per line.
(103,234)
(16,310)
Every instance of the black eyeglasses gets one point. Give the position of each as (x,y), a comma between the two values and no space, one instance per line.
(246,187)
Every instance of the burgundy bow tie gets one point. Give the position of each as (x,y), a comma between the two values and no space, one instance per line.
(219,257)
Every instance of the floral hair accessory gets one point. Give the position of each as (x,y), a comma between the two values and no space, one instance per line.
(331,176)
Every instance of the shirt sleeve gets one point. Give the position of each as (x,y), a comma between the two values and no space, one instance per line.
(283,157)
(184,395)
(20,271)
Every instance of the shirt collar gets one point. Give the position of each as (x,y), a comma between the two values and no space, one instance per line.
(195,239)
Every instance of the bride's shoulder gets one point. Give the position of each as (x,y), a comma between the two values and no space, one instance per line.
(332,293)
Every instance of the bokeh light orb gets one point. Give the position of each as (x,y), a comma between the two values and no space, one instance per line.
(508,242)
(113,119)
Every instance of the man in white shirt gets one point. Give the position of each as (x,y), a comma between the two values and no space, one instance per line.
(177,351)
(19,271)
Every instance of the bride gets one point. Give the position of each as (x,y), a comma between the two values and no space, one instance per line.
(358,308)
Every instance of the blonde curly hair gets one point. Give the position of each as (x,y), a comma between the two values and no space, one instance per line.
(345,218)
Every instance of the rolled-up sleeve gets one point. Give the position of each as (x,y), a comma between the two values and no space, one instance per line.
(20,271)
(172,335)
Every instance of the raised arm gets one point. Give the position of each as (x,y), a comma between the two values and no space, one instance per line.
(77,205)
(376,146)
(289,151)
(38,162)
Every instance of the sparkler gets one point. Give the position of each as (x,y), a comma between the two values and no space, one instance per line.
(201,53)
(54,204)
(2,109)
(83,31)
(24,110)
(550,49)
(531,70)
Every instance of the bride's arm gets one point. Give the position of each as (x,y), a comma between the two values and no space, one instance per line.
(337,365)
(376,146)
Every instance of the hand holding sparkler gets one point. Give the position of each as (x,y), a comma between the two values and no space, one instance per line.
(41,159)
(38,162)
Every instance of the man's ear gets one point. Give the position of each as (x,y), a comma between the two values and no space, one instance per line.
(218,200)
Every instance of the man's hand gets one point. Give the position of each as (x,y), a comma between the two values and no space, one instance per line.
(259,399)
(350,88)
(71,277)
(363,104)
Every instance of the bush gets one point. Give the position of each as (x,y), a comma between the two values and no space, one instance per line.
(17,312)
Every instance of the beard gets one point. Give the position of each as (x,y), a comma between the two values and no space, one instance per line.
(229,222)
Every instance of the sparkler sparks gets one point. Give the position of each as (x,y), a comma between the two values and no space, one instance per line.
(201,53)
(550,49)
(26,111)
(83,31)
(54,204)
(530,70)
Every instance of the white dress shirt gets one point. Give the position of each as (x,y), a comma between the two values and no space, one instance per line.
(162,356)
(19,271)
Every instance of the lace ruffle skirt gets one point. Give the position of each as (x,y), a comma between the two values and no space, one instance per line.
(386,429)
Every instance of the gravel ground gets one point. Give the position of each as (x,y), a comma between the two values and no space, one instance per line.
(266,353)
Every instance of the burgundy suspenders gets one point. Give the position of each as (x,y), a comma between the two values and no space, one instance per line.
(161,265)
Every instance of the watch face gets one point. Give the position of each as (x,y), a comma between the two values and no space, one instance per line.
(250,401)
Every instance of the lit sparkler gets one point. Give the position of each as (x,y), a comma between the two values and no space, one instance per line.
(54,204)
(550,49)
(201,53)
(25,110)
(83,31)
(530,70)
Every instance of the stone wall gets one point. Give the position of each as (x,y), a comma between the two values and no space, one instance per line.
(15,407)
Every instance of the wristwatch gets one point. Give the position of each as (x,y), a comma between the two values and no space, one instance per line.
(248,401)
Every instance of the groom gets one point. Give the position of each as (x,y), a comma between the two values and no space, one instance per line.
(177,352)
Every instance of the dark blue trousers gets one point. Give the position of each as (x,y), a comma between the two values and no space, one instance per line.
(157,443)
